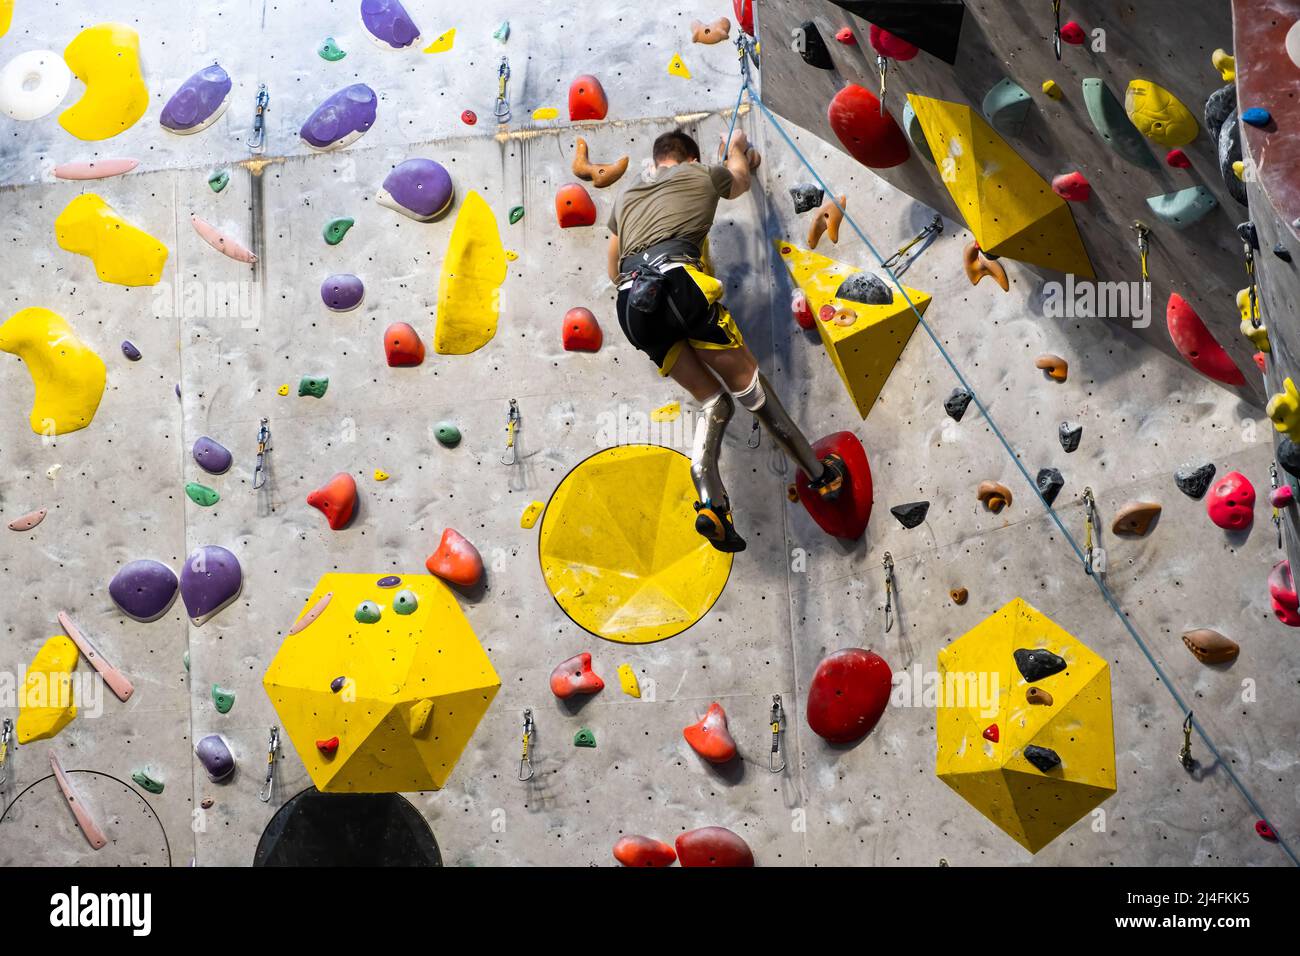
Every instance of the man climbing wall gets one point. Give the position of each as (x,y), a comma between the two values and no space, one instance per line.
(670,307)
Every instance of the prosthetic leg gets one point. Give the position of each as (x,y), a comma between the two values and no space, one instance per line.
(825,475)
(713,510)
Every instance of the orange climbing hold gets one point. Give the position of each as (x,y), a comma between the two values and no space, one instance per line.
(710,738)
(336,499)
(1057,368)
(1197,344)
(978,266)
(574,206)
(456,560)
(402,346)
(575,676)
(644,851)
(581,331)
(587,100)
(868,133)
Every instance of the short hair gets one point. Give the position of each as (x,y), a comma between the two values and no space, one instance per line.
(675,144)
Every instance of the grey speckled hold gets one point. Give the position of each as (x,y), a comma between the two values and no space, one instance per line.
(1288,456)
(1219,106)
(130,351)
(865,288)
(1070,433)
(911,514)
(1050,482)
(212,456)
(1043,758)
(1249,234)
(1194,479)
(955,404)
(1036,664)
(216,758)
(1282,252)
(806,196)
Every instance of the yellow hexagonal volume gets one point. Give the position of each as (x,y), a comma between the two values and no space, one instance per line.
(402,695)
(989,769)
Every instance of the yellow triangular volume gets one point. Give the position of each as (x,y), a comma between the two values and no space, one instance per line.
(677,68)
(442,42)
(472,273)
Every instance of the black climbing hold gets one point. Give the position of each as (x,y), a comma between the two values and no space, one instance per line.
(813,48)
(1219,106)
(1288,456)
(865,288)
(956,403)
(1249,234)
(1193,480)
(932,25)
(806,196)
(1043,758)
(1070,434)
(1229,153)
(1282,252)
(1050,482)
(911,514)
(1036,664)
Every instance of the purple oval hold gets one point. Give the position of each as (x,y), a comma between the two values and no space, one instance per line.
(419,188)
(130,351)
(210,579)
(212,456)
(341,119)
(389,23)
(216,758)
(391,581)
(143,590)
(199,102)
(342,292)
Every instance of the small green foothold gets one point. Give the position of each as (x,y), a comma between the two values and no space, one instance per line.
(149,783)
(329,50)
(201,494)
(313,386)
(405,602)
(223,699)
(448,435)
(367,612)
(502,32)
(186,658)
(336,229)
(218,180)
(584,738)
(516,213)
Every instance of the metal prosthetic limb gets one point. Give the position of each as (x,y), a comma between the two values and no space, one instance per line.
(761,399)
(713,512)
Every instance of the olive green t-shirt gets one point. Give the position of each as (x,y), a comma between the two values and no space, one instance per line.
(679,204)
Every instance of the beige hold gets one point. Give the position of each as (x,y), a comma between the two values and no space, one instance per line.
(977,266)
(599,175)
(994,495)
(1211,647)
(827,220)
(1036,695)
(710,33)
(1057,368)
(958,595)
(1135,518)
(844,317)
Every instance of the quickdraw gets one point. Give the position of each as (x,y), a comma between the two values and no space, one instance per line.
(258,139)
(263,446)
(502,108)
(926,235)
(6,735)
(1094,557)
(1277,512)
(1185,754)
(511,455)
(1056,32)
(1143,246)
(777,721)
(526,755)
(272,747)
(888,565)
(882,67)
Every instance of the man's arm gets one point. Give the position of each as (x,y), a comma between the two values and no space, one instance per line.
(741,159)
(613,257)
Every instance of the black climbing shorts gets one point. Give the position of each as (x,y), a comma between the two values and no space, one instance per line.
(705,322)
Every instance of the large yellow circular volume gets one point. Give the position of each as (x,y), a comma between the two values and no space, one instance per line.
(619,549)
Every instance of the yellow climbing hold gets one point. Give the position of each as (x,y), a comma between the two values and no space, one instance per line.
(6,15)
(511,255)
(532,511)
(619,549)
(442,42)
(678,68)
(381,475)
(1032,806)
(667,413)
(472,272)
(1052,89)
(1239,170)
(1225,63)
(545,113)
(420,683)
(107,59)
(67,376)
(283,389)
(1158,114)
(1258,334)
(1284,409)
(45,704)
(627,680)
(866,351)
(121,253)
(1010,208)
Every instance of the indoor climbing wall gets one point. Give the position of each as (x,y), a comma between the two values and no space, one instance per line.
(409,430)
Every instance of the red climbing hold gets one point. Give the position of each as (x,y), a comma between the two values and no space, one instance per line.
(587,100)
(713,846)
(1282,496)
(456,560)
(1198,345)
(469,117)
(328,747)
(644,851)
(336,499)
(1265,831)
(710,737)
(845,516)
(1261,361)
(402,346)
(845,36)
(1177,159)
(890,46)
(848,693)
(744,10)
(575,676)
(1282,593)
(870,136)
(1073,187)
(991,733)
(826,312)
(802,311)
(1072,33)
(1231,502)
(573,206)
(581,331)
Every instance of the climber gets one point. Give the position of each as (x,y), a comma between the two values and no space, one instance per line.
(669,306)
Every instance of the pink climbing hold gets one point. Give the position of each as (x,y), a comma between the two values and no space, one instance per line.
(1281,497)
(1073,187)
(336,499)
(1197,344)
(713,846)
(575,676)
(1261,361)
(581,331)
(456,560)
(644,851)
(1072,33)
(1231,502)
(802,311)
(1282,594)
(710,738)
(1177,159)
(890,46)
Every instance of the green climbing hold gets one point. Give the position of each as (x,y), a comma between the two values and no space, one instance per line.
(516,213)
(367,612)
(329,50)
(152,784)
(202,495)
(1110,120)
(405,602)
(502,33)
(1183,208)
(313,386)
(584,738)
(218,179)
(336,229)
(185,659)
(1006,107)
(223,699)
(448,435)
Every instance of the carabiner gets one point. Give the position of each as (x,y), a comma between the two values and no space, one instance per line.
(511,455)
(258,140)
(1277,512)
(888,565)
(274,745)
(6,734)
(1056,33)
(1089,506)
(263,446)
(1143,245)
(502,108)
(1185,755)
(882,67)
(526,757)
(933,228)
(778,719)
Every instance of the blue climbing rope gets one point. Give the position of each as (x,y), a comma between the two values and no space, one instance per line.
(1056,518)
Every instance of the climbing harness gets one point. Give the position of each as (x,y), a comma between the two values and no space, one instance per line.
(1056,33)
(526,756)
(1143,246)
(888,565)
(272,746)
(778,718)
(263,446)
(926,235)
(6,735)
(511,455)
(258,139)
(502,108)
(1094,556)
(1277,512)
(1185,754)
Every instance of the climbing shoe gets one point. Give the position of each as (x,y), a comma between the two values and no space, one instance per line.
(715,524)
(831,483)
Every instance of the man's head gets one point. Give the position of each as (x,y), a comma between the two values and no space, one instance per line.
(675,146)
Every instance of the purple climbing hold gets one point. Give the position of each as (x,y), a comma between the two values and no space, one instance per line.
(342,292)
(210,579)
(216,758)
(389,23)
(419,188)
(130,351)
(391,581)
(199,102)
(337,684)
(341,119)
(143,590)
(212,456)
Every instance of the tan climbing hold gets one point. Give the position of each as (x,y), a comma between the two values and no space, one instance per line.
(1057,368)
(959,595)
(978,266)
(1036,695)
(710,33)
(1135,518)
(599,175)
(844,317)
(994,495)
(1211,647)
(827,220)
